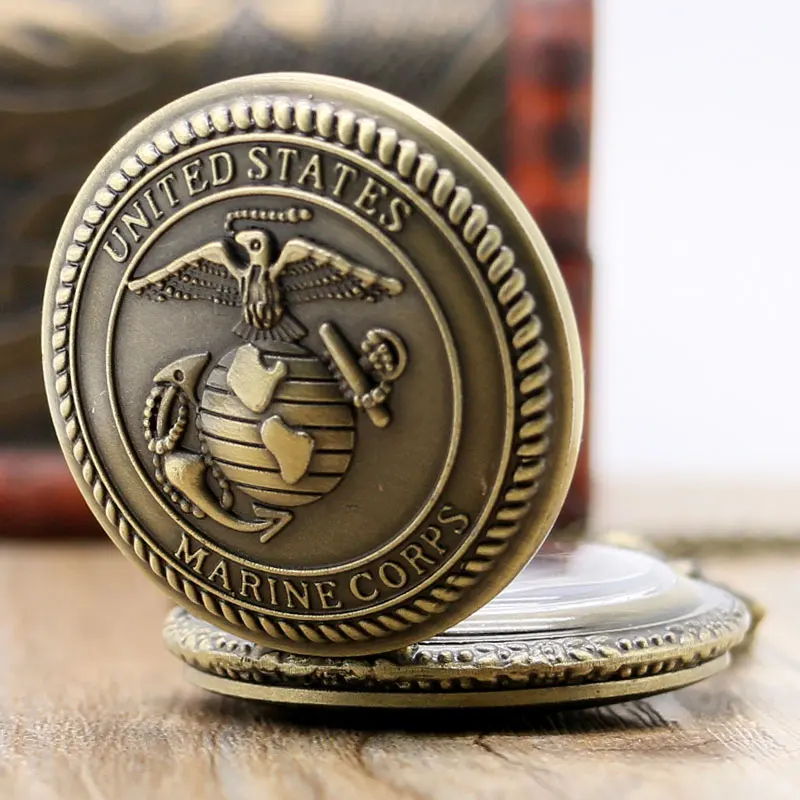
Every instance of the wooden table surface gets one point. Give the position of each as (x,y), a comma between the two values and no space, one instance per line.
(92,706)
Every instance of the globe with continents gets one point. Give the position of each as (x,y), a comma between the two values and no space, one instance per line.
(276,424)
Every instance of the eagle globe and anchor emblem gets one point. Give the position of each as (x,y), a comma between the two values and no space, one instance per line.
(274,420)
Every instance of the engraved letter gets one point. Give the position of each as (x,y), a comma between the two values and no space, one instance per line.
(370,194)
(398,574)
(250,582)
(326,591)
(221,572)
(461,519)
(194,560)
(344,173)
(293,593)
(221,168)
(195,182)
(399,212)
(286,154)
(151,201)
(109,248)
(258,155)
(139,221)
(273,600)
(413,554)
(355,587)
(166,185)
(431,536)
(313,170)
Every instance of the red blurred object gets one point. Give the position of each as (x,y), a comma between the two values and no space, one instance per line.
(38,497)
(550,104)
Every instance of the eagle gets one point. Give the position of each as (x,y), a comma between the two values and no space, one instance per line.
(240,271)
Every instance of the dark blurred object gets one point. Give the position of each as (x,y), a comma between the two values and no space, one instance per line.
(511,76)
(26,478)
(547,161)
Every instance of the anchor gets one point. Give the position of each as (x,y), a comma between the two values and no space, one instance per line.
(181,474)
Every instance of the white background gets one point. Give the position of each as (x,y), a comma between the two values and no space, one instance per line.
(694,231)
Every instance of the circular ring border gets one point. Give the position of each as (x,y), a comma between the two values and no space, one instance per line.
(506,281)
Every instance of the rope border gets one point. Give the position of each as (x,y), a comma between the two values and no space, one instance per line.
(420,171)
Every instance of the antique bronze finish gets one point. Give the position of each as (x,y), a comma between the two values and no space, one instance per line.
(312,364)
(584,625)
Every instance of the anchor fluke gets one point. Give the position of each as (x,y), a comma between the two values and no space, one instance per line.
(186,472)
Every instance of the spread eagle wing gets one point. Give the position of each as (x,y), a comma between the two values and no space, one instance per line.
(208,273)
(307,272)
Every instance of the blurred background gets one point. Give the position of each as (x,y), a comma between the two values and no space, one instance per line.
(658,137)
(694,220)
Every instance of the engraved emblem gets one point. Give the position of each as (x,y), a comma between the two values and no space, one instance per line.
(275,421)
(331,477)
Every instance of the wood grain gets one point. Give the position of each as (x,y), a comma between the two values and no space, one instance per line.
(91,706)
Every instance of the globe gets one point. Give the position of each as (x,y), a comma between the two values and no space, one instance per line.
(308,402)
